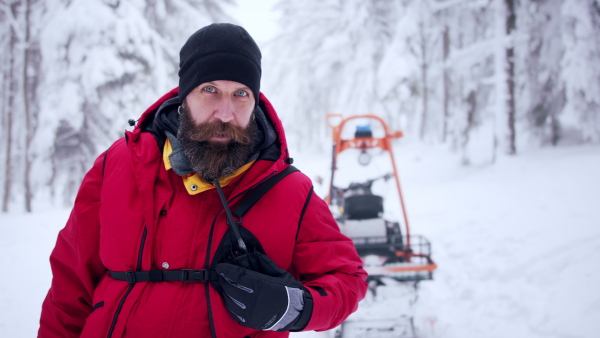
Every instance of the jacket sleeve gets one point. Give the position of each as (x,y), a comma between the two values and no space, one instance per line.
(329,267)
(75,263)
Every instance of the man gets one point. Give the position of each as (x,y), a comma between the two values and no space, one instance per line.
(152,248)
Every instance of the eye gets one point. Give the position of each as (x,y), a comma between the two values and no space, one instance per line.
(209,89)
(241,93)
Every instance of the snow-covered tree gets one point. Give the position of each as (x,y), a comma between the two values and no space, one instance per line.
(326,59)
(471,77)
(20,43)
(102,72)
(484,76)
(386,58)
(423,44)
(580,71)
(79,70)
(540,58)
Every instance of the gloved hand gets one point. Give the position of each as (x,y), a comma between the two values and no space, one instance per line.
(268,300)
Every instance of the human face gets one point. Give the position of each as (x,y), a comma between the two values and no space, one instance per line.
(221,100)
(213,159)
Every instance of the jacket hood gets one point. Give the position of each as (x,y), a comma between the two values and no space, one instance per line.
(271,143)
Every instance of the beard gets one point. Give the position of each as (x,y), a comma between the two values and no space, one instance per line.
(214,159)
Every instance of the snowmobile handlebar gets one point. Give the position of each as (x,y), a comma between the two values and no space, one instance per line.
(364,185)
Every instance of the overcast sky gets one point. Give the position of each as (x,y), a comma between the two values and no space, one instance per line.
(258,18)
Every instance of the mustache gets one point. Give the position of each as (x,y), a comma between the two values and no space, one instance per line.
(205,131)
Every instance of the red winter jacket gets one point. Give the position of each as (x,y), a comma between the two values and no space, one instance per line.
(132,214)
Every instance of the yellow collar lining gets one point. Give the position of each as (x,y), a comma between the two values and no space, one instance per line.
(194,184)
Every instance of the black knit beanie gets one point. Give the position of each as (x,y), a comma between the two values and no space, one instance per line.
(220,51)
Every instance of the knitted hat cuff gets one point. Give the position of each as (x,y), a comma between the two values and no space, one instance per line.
(220,66)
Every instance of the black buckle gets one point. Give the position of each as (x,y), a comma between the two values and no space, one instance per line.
(130,275)
(238,222)
(191,275)
(202,275)
(185,275)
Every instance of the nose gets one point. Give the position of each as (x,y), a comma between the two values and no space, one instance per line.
(224,110)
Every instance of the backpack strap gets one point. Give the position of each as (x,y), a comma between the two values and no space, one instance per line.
(183,275)
(260,191)
(104,161)
(188,275)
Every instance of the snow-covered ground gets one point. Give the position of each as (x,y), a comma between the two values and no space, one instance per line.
(517,244)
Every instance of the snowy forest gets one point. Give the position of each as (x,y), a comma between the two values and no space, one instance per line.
(479,78)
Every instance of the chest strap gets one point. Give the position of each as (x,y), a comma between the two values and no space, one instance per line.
(184,275)
(205,275)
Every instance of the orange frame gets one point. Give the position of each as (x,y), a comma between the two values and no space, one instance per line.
(385,143)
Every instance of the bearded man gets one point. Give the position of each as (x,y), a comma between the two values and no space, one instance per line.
(156,245)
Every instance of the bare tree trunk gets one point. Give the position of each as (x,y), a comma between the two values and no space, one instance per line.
(446,41)
(4,46)
(12,90)
(511,19)
(27,104)
(425,86)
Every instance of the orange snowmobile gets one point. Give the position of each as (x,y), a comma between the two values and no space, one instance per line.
(387,249)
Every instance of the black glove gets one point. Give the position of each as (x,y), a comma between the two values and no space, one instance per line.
(267,300)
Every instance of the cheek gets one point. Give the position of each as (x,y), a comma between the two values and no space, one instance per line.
(200,113)
(198,106)
(244,114)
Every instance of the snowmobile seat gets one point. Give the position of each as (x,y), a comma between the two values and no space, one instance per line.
(363,207)
(373,227)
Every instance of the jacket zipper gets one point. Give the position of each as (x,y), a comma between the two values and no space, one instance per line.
(207,288)
(207,261)
(138,268)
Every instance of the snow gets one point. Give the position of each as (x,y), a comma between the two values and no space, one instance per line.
(517,245)
(26,241)
(515,242)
